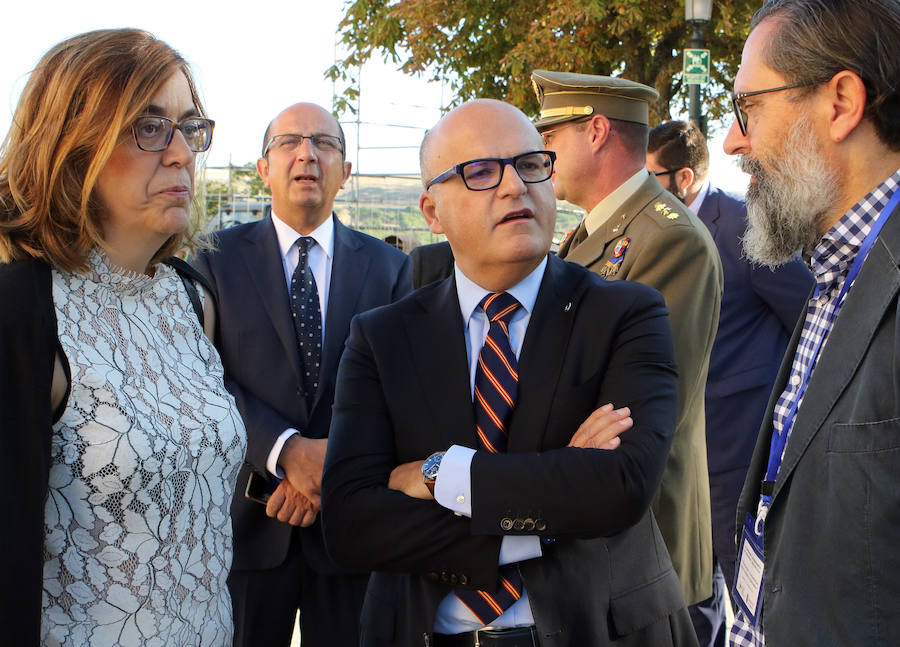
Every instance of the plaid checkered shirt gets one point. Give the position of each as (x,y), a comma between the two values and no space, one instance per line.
(830,263)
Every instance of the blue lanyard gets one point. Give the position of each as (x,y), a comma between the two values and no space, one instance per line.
(776,451)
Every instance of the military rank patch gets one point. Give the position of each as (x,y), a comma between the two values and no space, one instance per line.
(664,210)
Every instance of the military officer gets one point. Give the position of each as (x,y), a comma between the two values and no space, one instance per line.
(636,230)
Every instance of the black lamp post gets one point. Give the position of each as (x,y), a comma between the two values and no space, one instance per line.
(697,14)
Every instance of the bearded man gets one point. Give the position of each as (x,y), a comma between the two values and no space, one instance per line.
(816,108)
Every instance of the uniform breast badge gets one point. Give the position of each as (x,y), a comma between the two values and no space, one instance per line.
(665,210)
(612,265)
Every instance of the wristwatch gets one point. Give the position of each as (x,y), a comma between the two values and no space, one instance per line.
(430,470)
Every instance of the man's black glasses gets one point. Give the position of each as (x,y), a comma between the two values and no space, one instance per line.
(487,172)
(737,101)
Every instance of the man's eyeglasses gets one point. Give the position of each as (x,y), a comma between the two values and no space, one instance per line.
(153,133)
(487,172)
(669,172)
(290,142)
(546,134)
(737,101)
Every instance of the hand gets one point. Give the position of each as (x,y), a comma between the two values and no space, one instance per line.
(602,428)
(288,505)
(302,460)
(408,479)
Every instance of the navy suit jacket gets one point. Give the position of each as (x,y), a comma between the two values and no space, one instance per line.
(605,576)
(759,310)
(255,336)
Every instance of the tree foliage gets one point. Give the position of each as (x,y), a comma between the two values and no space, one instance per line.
(488,48)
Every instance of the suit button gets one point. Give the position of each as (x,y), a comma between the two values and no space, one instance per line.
(518,524)
(529,524)
(434,576)
(453,578)
(540,525)
(506,523)
(463,579)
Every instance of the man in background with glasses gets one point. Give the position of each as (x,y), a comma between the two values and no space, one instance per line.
(636,230)
(469,464)
(287,287)
(760,307)
(818,522)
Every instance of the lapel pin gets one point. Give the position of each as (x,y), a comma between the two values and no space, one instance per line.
(568,307)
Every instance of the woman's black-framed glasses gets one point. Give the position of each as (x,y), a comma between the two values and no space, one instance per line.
(487,172)
(153,133)
(738,98)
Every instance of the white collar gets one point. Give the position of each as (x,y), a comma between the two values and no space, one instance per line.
(287,235)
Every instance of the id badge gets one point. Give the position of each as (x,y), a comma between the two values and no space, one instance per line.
(748,580)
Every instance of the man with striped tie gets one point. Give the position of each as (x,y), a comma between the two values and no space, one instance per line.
(476,461)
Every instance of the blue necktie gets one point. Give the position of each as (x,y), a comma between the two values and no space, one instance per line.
(307,318)
(496,388)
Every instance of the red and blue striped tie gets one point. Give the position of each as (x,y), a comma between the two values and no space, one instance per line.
(496,387)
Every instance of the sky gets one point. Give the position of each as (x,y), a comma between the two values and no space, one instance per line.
(251,60)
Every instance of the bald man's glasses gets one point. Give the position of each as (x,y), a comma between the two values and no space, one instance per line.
(290,142)
(487,172)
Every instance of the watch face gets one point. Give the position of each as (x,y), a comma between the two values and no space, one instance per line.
(431,466)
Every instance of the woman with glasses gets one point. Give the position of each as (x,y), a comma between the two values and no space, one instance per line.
(119,445)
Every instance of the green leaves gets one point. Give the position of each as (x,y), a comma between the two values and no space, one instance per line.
(488,48)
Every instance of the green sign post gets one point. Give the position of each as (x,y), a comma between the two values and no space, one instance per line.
(696,66)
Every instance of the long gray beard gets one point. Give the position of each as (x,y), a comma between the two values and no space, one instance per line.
(789,203)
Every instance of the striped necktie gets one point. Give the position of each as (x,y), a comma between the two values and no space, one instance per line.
(496,388)
(307,318)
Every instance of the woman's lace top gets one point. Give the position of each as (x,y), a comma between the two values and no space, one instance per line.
(143,466)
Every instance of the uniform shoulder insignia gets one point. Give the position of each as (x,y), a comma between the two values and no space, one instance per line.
(664,209)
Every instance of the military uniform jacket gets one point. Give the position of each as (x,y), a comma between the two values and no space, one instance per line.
(653,239)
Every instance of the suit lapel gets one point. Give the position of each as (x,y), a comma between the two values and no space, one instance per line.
(594,246)
(438,347)
(348,272)
(874,290)
(262,257)
(709,211)
(540,361)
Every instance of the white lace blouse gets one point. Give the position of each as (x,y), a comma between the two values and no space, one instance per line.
(143,465)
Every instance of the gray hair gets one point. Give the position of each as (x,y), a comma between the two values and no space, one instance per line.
(816,39)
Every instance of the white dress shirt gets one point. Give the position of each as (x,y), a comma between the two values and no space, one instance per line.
(452,488)
(698,200)
(321,259)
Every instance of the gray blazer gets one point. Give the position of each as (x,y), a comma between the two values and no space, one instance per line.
(832,533)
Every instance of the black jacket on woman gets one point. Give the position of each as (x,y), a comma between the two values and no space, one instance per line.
(28,344)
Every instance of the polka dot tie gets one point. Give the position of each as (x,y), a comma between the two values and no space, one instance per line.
(307,318)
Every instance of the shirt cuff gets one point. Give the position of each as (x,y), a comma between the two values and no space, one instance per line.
(275,453)
(518,548)
(453,486)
